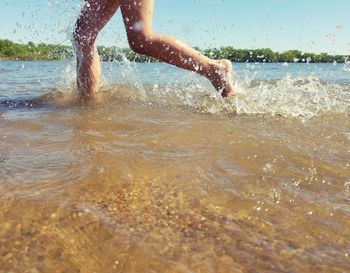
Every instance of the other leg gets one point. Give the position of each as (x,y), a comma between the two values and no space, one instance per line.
(93,17)
(137,16)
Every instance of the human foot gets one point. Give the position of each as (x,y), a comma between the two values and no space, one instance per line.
(221,77)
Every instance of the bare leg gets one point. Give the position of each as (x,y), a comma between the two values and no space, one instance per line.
(137,16)
(93,17)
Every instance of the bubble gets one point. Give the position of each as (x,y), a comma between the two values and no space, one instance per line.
(275,196)
(267,168)
(347,186)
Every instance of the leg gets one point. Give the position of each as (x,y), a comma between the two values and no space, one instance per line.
(137,16)
(93,17)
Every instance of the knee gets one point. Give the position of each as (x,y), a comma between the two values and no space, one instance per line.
(141,42)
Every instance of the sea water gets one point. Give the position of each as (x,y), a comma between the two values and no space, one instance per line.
(164,175)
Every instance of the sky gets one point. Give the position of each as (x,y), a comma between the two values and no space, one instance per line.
(307,25)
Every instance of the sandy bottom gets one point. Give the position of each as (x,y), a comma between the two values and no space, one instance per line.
(136,188)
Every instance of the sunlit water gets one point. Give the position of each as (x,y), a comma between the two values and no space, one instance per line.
(165,176)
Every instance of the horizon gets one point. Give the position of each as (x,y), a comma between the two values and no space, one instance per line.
(201,49)
(266,26)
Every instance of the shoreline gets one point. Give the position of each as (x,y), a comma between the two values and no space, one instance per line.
(6,59)
(10,51)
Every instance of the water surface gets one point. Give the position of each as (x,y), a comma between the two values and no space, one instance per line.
(166,176)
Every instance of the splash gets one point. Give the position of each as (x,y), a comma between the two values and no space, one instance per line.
(287,97)
(296,96)
(293,97)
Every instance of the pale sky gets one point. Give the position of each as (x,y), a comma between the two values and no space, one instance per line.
(307,25)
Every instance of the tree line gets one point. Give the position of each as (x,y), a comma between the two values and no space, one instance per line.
(30,51)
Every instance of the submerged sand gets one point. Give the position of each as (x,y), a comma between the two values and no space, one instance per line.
(133,187)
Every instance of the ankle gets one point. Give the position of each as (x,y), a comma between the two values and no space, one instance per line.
(211,69)
(215,71)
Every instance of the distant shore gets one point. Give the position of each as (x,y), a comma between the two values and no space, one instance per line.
(10,51)
(7,59)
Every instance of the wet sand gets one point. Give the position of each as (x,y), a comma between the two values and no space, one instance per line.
(133,187)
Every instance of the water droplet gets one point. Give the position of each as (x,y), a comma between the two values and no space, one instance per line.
(347,186)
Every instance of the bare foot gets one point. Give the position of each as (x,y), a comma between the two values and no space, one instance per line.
(221,77)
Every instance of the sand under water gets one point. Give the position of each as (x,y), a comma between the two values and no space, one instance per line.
(165,176)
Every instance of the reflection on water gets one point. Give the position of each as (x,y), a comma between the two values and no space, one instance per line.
(146,185)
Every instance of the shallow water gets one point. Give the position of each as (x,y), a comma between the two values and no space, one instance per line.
(165,176)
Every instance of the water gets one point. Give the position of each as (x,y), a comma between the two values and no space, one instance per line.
(166,176)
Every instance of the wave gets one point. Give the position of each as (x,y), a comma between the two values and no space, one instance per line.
(287,97)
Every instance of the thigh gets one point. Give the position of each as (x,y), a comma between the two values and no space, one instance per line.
(137,15)
(94,15)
